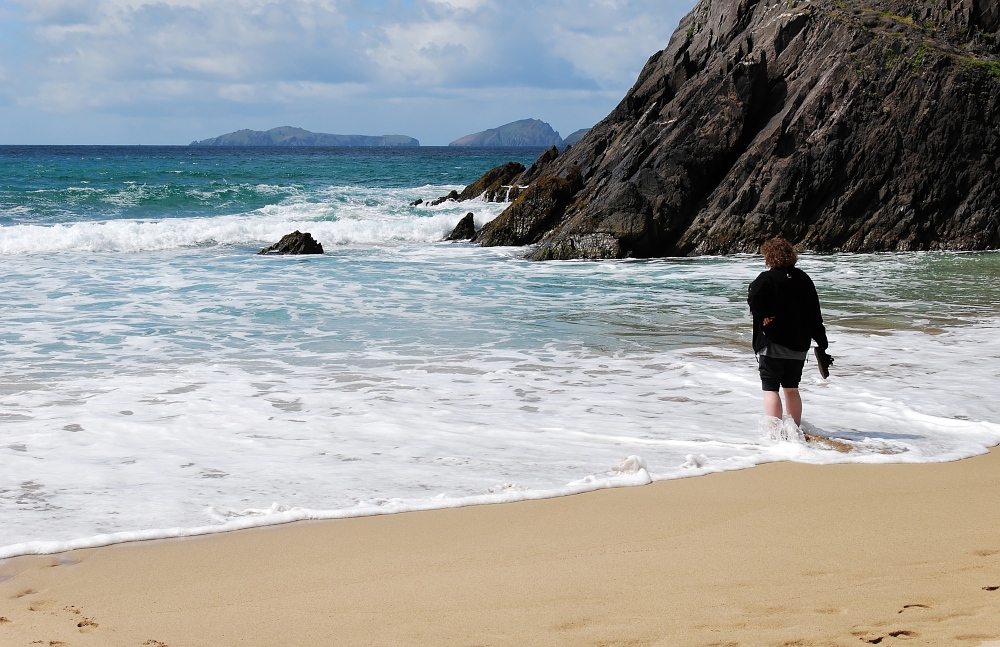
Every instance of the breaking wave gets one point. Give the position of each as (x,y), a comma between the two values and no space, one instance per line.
(345,220)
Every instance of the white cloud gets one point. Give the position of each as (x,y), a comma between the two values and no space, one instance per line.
(627,35)
(463,5)
(429,52)
(163,57)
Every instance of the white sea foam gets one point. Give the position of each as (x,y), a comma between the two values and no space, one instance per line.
(206,389)
(15,211)
(781,429)
(278,514)
(347,216)
(140,236)
(695,461)
(630,465)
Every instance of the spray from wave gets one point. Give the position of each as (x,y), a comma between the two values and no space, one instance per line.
(343,217)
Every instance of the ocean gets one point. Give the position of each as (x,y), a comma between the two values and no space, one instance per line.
(160,379)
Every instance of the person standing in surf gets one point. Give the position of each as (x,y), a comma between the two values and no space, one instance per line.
(786,318)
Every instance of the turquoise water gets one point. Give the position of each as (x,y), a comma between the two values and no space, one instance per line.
(162,379)
(49,185)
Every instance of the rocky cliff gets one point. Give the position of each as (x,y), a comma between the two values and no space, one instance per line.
(526,132)
(839,124)
(291,136)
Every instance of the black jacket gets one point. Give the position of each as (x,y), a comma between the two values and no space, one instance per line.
(788,295)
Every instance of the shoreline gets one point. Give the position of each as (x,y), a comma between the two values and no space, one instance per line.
(786,553)
(279,517)
(631,472)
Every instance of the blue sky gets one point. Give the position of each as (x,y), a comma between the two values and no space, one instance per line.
(171,71)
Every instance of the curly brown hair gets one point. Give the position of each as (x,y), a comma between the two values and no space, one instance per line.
(778,252)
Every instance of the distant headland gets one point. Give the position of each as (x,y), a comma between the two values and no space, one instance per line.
(526,132)
(575,136)
(289,136)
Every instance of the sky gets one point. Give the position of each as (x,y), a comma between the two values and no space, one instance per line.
(172,71)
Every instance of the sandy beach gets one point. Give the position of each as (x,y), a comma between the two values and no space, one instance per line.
(783,554)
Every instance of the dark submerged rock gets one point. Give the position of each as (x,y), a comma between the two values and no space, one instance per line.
(465,230)
(840,125)
(417,202)
(294,243)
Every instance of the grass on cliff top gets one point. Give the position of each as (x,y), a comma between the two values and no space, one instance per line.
(906,20)
(970,63)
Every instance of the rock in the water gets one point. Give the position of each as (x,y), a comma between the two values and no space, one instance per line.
(453,195)
(495,185)
(535,210)
(465,230)
(838,124)
(294,243)
(499,184)
(543,162)
(417,202)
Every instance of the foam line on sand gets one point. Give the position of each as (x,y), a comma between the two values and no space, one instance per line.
(782,554)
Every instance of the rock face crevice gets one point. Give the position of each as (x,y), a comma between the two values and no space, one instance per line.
(840,125)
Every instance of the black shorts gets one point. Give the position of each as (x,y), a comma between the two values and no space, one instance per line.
(784,372)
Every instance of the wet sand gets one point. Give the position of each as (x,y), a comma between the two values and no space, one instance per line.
(782,554)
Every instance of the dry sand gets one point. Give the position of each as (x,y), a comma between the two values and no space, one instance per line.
(782,554)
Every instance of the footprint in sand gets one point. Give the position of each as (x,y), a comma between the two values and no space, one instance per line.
(4,620)
(155,643)
(991,588)
(903,633)
(87,623)
(913,606)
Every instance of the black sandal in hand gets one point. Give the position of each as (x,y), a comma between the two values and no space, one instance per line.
(824,362)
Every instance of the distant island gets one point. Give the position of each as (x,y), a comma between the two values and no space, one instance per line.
(526,132)
(576,137)
(289,136)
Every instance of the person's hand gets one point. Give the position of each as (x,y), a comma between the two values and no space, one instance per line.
(768,320)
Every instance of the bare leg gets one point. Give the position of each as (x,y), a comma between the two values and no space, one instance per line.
(772,404)
(794,404)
